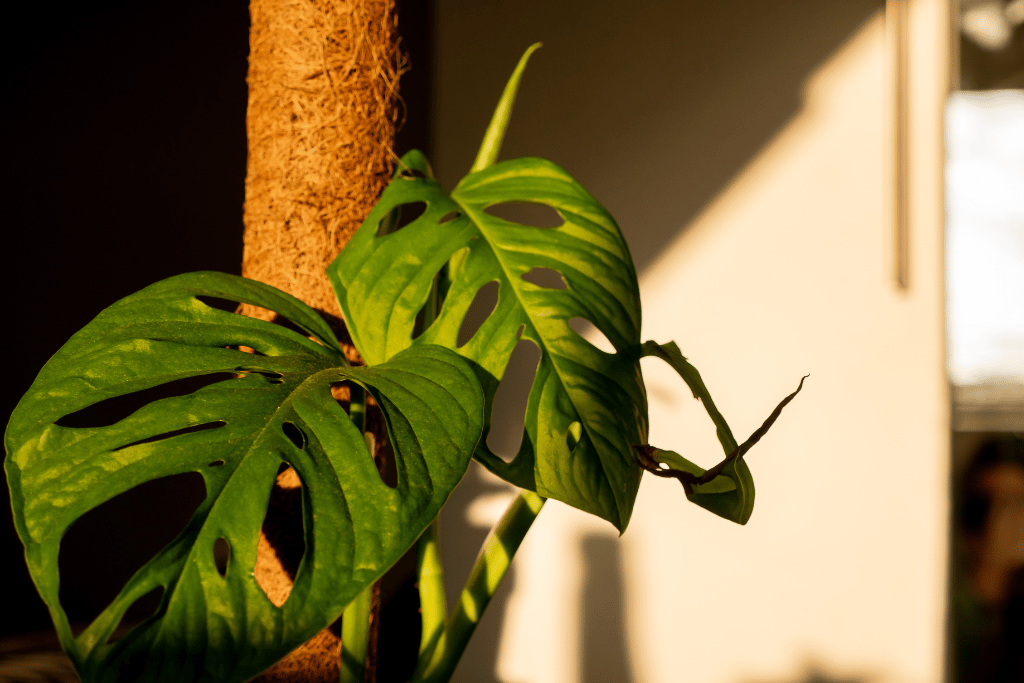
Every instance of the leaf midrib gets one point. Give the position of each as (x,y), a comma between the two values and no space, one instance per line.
(471,215)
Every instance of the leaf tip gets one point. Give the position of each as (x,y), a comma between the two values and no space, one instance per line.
(491,144)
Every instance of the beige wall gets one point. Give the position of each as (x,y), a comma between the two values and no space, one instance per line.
(748,174)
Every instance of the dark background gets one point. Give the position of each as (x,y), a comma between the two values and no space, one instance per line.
(122,139)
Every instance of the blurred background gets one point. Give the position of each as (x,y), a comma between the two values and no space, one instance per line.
(985,333)
(806,187)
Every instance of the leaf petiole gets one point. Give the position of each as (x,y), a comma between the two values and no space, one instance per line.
(437,664)
(357,406)
(430,573)
(355,636)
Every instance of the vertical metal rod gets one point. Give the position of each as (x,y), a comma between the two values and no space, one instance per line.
(896,27)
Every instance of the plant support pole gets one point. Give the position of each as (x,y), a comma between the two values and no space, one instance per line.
(322,111)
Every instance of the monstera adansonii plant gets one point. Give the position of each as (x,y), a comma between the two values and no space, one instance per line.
(241,397)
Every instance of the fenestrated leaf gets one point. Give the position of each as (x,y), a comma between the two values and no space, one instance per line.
(209,627)
(382,281)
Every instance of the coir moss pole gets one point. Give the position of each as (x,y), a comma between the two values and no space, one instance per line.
(323,107)
(323,79)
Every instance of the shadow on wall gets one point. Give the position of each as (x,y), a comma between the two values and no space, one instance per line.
(815,676)
(653,106)
(603,653)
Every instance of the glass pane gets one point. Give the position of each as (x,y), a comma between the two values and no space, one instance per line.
(985,335)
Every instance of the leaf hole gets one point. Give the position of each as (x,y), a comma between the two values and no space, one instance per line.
(216,463)
(546,278)
(112,410)
(177,432)
(431,308)
(484,303)
(342,393)
(409,173)
(245,349)
(449,217)
(252,311)
(384,458)
(221,555)
(271,377)
(379,443)
(508,411)
(573,435)
(589,331)
(283,542)
(399,217)
(531,214)
(107,545)
(286,323)
(294,435)
(140,610)
(419,326)
(226,305)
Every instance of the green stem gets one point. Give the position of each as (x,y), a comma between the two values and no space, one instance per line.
(355,636)
(438,665)
(357,406)
(431,587)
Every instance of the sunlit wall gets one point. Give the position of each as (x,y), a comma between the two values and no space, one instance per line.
(744,150)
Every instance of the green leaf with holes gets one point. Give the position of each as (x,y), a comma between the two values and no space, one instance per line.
(261,410)
(586,408)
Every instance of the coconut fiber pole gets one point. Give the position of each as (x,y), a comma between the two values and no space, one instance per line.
(323,105)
